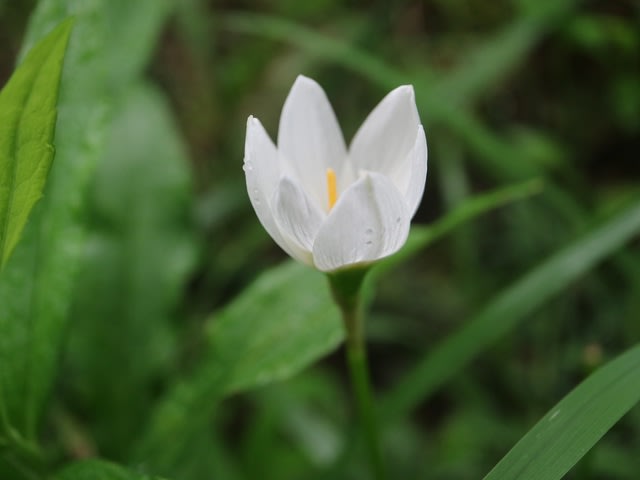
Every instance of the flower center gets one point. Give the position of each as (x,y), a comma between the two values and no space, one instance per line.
(331,187)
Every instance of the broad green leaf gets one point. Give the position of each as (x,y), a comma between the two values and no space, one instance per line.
(27,124)
(140,251)
(279,325)
(508,309)
(569,430)
(300,326)
(35,286)
(37,283)
(99,470)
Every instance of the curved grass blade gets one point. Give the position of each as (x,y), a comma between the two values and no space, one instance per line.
(422,236)
(569,430)
(27,125)
(505,312)
(441,95)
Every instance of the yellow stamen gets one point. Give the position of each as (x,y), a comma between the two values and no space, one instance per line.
(331,187)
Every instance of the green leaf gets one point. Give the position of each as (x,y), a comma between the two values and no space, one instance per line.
(37,283)
(279,325)
(140,251)
(569,430)
(298,323)
(134,28)
(98,470)
(27,124)
(507,310)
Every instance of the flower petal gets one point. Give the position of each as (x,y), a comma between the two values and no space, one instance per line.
(309,138)
(262,173)
(388,134)
(411,175)
(261,162)
(370,221)
(297,218)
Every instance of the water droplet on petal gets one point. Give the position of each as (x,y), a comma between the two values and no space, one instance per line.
(368,231)
(255,194)
(369,242)
(398,220)
(247,167)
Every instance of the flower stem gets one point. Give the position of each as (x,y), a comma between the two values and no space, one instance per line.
(357,358)
(346,290)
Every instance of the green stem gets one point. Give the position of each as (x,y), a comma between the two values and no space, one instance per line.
(346,290)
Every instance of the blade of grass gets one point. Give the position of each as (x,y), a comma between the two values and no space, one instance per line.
(508,309)
(421,236)
(571,428)
(439,95)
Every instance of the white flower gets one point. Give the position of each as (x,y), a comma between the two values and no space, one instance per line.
(328,207)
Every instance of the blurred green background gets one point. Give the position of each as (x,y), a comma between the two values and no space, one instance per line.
(508,91)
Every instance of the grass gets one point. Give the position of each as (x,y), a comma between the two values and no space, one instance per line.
(472,340)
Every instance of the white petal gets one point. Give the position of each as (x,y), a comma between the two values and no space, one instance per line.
(261,158)
(388,134)
(297,218)
(370,221)
(309,138)
(262,173)
(411,175)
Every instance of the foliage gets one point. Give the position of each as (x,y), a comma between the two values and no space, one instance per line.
(147,320)
(28,106)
